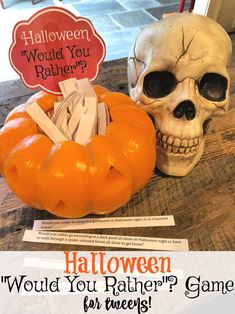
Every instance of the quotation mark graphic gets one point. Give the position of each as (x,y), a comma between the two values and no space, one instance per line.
(23,53)
(4,279)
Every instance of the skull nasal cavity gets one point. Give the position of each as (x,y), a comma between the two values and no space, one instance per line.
(185,109)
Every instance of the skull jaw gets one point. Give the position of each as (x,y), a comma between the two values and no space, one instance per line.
(178,165)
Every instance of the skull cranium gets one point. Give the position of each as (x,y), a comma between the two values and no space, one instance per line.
(178,73)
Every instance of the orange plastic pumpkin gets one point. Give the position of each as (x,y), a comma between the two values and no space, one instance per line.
(71,180)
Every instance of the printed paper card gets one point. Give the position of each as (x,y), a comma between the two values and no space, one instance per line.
(54,45)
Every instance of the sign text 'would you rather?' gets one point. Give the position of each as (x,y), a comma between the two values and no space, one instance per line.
(54,45)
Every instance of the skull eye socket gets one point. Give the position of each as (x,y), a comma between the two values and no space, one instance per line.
(213,87)
(159,84)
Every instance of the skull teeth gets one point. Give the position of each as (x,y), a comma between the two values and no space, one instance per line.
(176,145)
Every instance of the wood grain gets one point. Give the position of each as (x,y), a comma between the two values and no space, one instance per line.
(203,202)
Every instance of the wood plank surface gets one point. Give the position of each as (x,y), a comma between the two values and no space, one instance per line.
(203,202)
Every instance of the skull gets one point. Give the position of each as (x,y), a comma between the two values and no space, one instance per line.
(178,73)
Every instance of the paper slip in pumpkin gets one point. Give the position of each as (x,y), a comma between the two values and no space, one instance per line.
(87,122)
(38,115)
(78,110)
(68,86)
(86,86)
(103,118)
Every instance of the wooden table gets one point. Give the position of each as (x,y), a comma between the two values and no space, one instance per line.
(203,202)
